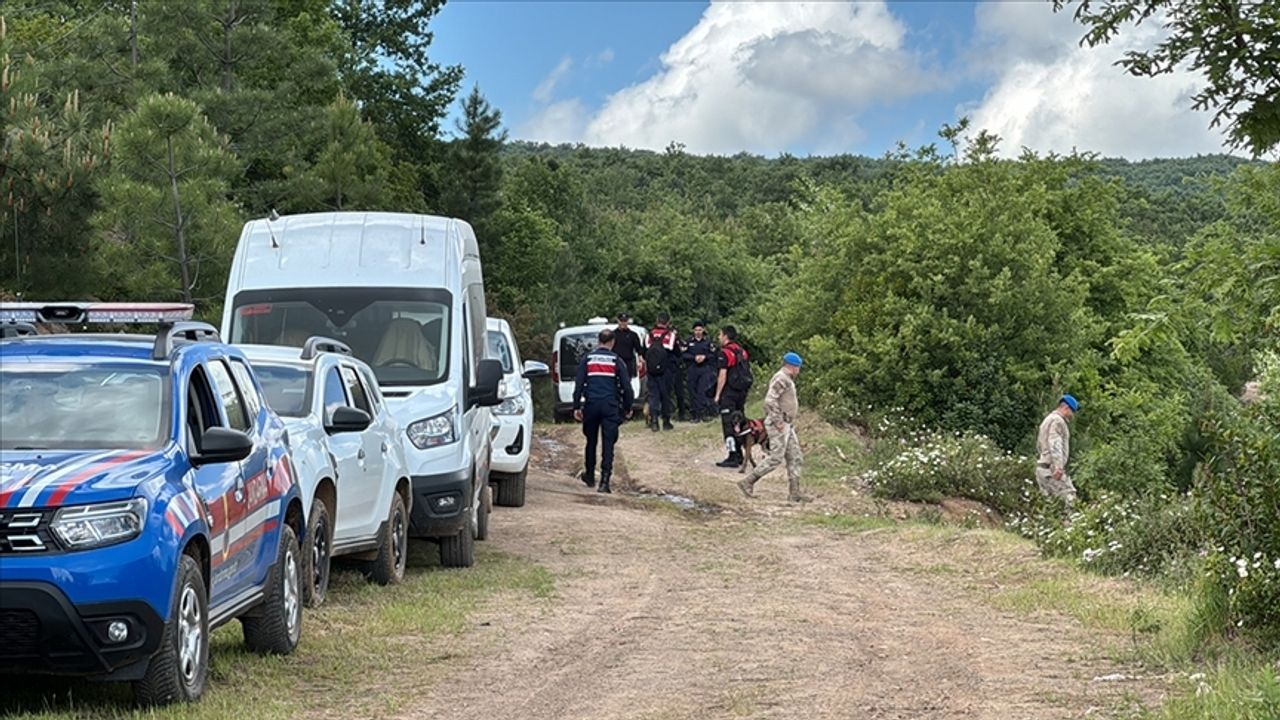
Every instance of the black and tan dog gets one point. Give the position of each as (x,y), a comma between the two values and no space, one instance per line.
(749,434)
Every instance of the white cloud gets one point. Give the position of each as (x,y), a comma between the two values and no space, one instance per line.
(547,88)
(558,122)
(605,57)
(765,77)
(1052,94)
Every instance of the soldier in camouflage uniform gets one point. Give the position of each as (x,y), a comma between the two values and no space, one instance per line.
(1054,444)
(780,409)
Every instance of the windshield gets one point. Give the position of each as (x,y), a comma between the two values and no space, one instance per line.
(71,407)
(403,333)
(286,388)
(501,351)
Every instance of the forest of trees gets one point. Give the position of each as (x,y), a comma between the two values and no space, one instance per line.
(945,283)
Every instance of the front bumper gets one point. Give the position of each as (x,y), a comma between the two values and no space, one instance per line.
(42,632)
(440,504)
(510,454)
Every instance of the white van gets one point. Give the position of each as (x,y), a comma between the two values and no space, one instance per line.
(406,294)
(567,348)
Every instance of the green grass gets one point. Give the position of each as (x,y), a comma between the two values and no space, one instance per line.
(849,523)
(366,653)
(1234,691)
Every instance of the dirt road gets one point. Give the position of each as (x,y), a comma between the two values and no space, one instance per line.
(752,609)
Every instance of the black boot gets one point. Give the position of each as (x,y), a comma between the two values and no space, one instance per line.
(733,461)
(653,424)
(666,424)
(589,478)
(604,484)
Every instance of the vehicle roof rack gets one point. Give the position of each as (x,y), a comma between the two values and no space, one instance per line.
(15,329)
(170,335)
(317,344)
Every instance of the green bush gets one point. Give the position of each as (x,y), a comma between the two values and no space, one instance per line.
(932,466)
(1240,498)
(1115,534)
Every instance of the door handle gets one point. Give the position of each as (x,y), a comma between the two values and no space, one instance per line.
(360,455)
(240,489)
(384,447)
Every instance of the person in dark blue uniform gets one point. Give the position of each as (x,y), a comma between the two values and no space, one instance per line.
(700,358)
(602,397)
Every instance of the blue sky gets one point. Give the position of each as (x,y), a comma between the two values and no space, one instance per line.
(812,78)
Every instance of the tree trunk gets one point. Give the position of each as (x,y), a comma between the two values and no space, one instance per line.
(133,34)
(180,230)
(226,48)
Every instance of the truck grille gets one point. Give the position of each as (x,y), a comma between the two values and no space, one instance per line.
(21,632)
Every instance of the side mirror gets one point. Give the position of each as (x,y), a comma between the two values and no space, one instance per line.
(488,383)
(223,445)
(347,419)
(535,369)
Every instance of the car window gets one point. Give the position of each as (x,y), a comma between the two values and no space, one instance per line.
(65,406)
(202,409)
(285,388)
(232,405)
(371,387)
(335,393)
(359,399)
(500,350)
(248,391)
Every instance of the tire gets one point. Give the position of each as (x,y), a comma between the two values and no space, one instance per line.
(393,546)
(316,555)
(275,627)
(179,671)
(486,507)
(511,489)
(459,551)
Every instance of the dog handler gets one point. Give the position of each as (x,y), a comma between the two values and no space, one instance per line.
(733,383)
(1054,444)
(603,381)
(780,409)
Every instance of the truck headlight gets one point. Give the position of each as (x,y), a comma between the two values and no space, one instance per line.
(91,526)
(433,431)
(510,406)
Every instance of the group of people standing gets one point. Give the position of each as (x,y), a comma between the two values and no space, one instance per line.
(716,376)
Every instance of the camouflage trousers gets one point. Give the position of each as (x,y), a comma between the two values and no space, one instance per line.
(1063,489)
(784,448)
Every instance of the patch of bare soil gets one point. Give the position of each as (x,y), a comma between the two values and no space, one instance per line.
(746,612)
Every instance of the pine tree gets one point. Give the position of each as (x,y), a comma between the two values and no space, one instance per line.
(167,227)
(475,163)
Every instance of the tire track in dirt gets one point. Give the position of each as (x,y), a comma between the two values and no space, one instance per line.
(744,614)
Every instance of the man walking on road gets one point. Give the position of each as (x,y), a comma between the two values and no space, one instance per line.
(1054,444)
(603,382)
(732,385)
(699,357)
(780,409)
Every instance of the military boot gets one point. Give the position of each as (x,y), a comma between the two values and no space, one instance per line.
(666,424)
(747,486)
(589,478)
(604,484)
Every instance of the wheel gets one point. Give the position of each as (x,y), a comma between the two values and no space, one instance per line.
(179,670)
(316,554)
(276,625)
(393,546)
(459,551)
(511,489)
(482,517)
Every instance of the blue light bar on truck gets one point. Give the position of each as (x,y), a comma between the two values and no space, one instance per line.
(94,313)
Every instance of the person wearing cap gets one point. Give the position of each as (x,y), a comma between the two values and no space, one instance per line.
(1054,444)
(699,357)
(780,409)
